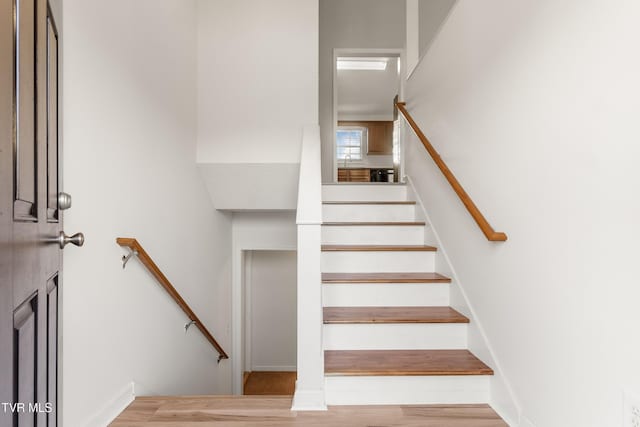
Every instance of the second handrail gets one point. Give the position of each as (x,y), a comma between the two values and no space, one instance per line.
(489,232)
(146,260)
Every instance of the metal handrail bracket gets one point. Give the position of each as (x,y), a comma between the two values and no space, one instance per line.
(126,258)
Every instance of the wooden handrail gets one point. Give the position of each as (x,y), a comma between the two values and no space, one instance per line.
(162,279)
(489,232)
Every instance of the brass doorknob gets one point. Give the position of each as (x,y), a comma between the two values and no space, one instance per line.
(77,239)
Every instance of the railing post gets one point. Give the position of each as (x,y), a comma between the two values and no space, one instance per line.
(309,394)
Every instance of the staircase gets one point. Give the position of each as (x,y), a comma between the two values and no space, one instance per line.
(389,335)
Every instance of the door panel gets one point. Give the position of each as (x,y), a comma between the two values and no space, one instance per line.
(25,332)
(6,205)
(26,152)
(52,120)
(30,285)
(52,348)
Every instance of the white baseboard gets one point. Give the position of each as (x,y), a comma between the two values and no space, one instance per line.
(113,408)
(140,389)
(503,398)
(524,422)
(508,415)
(259,368)
(308,400)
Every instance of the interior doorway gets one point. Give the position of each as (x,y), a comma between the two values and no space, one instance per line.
(366,132)
(270,316)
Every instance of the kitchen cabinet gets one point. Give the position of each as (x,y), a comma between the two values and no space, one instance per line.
(379,135)
(380,140)
(353,175)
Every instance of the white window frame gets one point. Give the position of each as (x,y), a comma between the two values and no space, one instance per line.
(363,142)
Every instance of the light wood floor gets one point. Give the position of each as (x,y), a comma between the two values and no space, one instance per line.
(270,383)
(269,411)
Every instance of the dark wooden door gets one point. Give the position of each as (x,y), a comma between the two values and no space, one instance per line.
(30,218)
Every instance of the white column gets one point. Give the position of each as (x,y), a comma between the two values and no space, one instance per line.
(309,393)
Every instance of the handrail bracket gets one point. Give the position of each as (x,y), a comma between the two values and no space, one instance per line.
(126,258)
(188,325)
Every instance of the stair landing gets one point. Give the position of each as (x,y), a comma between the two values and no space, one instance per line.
(269,411)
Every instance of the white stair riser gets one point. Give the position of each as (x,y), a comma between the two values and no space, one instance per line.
(397,390)
(377,261)
(364,192)
(356,212)
(387,390)
(385,294)
(373,235)
(395,336)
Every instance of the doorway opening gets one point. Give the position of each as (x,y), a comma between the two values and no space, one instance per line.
(366,83)
(270,316)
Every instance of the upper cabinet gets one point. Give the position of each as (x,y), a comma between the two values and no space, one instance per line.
(380,139)
(379,135)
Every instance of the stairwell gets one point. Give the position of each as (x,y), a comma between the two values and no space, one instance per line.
(389,335)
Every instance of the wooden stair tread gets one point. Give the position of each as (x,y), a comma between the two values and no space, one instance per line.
(402,362)
(343,184)
(376,248)
(347,315)
(369,202)
(384,278)
(408,223)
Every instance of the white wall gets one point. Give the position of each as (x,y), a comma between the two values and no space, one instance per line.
(354,24)
(271,288)
(257,79)
(130,148)
(264,230)
(257,89)
(534,107)
(250,186)
(425,18)
(431,16)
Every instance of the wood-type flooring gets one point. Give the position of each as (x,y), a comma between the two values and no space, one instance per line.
(269,411)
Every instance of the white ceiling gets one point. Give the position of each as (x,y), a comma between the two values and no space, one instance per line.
(368,95)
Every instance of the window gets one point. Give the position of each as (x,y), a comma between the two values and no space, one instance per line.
(349,143)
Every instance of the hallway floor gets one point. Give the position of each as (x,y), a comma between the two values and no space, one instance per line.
(245,411)
(270,383)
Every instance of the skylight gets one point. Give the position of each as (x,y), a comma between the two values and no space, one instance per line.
(362,64)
